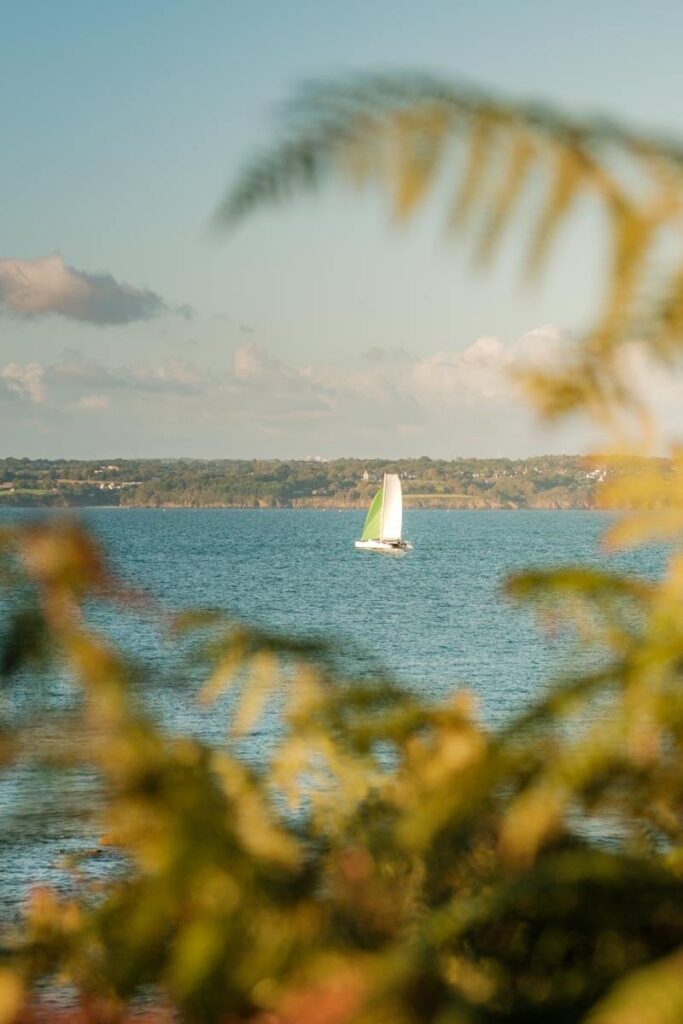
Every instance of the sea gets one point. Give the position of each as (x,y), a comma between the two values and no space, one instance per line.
(436,619)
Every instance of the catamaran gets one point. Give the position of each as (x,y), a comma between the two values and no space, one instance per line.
(382,530)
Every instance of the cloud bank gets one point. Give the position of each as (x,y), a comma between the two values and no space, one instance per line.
(33,288)
(387,403)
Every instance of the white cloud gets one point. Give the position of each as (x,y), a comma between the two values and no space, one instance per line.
(444,404)
(93,402)
(32,288)
(25,380)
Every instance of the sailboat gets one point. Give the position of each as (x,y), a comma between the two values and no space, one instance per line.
(382,530)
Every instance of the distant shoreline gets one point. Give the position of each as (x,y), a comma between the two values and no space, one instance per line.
(552,482)
(435,506)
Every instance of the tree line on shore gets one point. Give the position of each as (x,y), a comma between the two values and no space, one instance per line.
(550,481)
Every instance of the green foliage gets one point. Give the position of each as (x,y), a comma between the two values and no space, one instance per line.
(551,481)
(425,870)
(392,861)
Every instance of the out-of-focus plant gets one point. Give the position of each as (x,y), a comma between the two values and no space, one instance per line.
(492,159)
(392,861)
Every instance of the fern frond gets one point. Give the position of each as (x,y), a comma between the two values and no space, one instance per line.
(395,131)
(416,147)
(521,158)
(480,142)
(566,180)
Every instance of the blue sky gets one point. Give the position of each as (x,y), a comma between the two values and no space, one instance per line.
(124,123)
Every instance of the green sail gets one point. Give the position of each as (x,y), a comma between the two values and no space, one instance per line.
(371,530)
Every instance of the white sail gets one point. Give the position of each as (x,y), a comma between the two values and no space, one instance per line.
(392,508)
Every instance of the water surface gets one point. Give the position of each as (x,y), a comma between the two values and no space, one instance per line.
(436,617)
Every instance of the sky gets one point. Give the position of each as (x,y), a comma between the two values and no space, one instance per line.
(129,329)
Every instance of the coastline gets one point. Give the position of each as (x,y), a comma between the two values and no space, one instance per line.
(556,482)
(307,506)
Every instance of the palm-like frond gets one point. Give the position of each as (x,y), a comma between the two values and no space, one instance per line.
(396,130)
(324,120)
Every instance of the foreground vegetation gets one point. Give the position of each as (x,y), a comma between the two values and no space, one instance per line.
(390,860)
(552,481)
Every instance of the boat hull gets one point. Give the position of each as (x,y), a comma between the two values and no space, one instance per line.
(384,546)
